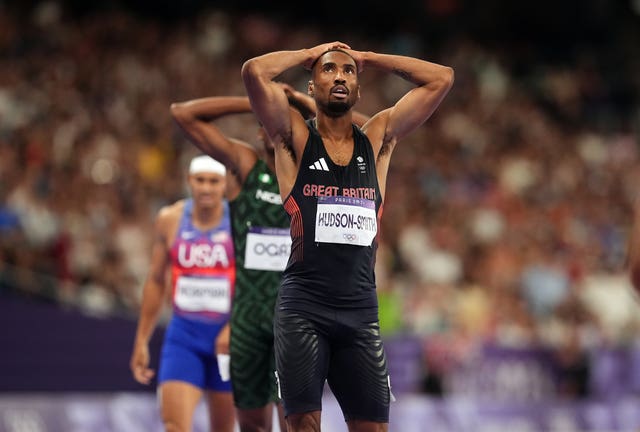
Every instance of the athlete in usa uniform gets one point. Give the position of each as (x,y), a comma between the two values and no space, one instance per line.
(203,280)
(332,178)
(194,243)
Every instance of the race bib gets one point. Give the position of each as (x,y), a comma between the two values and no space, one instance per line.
(267,249)
(210,294)
(346,220)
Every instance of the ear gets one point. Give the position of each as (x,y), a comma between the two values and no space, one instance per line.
(310,88)
(358,92)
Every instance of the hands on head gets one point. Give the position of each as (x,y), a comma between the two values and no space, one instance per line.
(318,50)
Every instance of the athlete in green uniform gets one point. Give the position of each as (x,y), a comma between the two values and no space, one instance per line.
(262,242)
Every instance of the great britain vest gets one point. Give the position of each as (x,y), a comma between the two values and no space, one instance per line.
(334,213)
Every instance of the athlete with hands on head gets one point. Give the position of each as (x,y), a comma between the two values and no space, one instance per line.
(332,176)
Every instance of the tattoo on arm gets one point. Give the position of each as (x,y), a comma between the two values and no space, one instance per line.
(403,74)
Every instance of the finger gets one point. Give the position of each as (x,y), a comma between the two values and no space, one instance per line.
(137,375)
(143,375)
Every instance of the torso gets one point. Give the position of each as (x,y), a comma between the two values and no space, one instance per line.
(202,268)
(261,236)
(334,210)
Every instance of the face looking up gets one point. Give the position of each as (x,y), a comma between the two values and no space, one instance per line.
(334,84)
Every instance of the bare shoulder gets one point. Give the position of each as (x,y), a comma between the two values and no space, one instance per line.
(167,221)
(376,130)
(299,130)
(245,151)
(170,213)
(242,145)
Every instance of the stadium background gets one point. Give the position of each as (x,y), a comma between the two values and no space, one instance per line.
(504,302)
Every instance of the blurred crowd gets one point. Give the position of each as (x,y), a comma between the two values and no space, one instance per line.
(506,215)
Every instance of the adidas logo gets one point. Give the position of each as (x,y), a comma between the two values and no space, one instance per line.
(320,164)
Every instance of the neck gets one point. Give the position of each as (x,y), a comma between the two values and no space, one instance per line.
(207,217)
(334,127)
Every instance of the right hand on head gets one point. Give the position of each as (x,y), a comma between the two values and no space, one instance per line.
(139,364)
(318,50)
(358,57)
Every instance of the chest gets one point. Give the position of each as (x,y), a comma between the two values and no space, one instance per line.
(339,153)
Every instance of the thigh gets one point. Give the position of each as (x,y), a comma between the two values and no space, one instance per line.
(180,362)
(221,411)
(178,401)
(188,355)
(252,361)
(302,360)
(358,374)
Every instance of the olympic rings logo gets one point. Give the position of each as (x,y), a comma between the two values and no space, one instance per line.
(349,237)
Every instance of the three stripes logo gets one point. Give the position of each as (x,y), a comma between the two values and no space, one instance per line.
(320,165)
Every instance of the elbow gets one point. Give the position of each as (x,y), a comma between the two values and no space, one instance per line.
(248,70)
(251,73)
(442,82)
(448,77)
(177,111)
(181,114)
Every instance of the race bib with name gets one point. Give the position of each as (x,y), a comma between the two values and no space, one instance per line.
(267,249)
(346,220)
(200,294)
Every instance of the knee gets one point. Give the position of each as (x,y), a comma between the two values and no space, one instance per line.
(254,421)
(367,426)
(171,426)
(306,422)
(253,426)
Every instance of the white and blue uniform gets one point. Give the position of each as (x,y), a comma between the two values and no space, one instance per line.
(203,279)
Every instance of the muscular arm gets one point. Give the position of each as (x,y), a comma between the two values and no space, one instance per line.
(268,100)
(195,118)
(432,81)
(153,296)
(386,128)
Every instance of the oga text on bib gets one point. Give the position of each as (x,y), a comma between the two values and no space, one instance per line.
(267,248)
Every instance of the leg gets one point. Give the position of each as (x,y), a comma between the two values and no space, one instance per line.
(256,420)
(366,426)
(178,401)
(221,411)
(253,366)
(302,359)
(305,422)
(358,374)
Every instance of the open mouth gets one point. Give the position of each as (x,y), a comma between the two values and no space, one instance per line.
(339,92)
